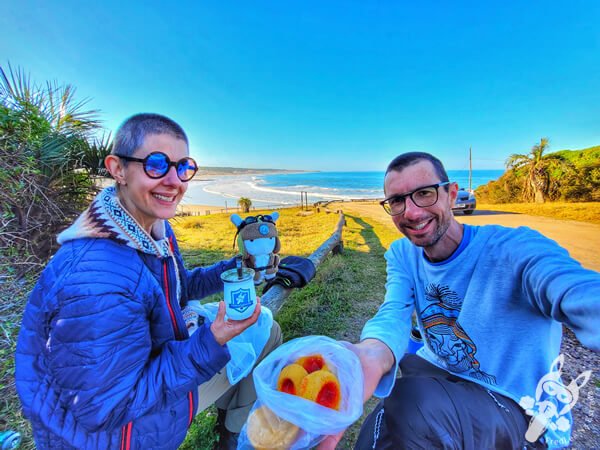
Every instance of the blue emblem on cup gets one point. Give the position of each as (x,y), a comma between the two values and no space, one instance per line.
(240,300)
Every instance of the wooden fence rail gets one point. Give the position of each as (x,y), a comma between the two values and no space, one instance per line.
(275,297)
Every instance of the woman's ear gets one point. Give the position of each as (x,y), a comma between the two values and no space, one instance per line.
(115,167)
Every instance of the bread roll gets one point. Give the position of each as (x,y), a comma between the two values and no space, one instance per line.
(265,430)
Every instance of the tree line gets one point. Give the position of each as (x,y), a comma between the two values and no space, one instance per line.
(538,176)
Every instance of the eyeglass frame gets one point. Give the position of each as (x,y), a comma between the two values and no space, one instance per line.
(168,161)
(410,194)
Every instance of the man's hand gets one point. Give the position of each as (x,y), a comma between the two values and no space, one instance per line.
(376,360)
(225,330)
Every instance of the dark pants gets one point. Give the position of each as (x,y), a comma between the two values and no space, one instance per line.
(432,409)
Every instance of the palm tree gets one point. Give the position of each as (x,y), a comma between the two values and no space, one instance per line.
(245,204)
(536,165)
(48,154)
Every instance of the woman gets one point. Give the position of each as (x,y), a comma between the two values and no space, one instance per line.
(104,359)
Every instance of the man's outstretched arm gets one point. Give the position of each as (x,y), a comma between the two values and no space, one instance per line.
(376,360)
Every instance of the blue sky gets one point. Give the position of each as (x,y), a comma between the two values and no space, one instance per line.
(327,85)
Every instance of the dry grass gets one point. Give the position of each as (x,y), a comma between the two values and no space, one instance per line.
(583,212)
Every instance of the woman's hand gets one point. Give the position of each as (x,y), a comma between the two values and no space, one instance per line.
(225,330)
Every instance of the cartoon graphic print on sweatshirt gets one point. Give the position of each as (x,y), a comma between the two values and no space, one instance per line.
(446,337)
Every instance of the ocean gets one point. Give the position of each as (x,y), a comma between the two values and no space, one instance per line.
(283,189)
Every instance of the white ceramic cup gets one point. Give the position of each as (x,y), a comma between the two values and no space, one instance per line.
(239,293)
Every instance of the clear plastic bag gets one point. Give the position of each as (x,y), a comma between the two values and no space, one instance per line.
(314,421)
(244,348)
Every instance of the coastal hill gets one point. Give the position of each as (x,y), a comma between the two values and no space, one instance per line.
(564,175)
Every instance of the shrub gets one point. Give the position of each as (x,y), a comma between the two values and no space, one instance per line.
(48,157)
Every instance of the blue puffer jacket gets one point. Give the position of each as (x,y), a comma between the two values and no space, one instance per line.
(104,359)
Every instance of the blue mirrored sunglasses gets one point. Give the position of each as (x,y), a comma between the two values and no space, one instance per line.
(157,165)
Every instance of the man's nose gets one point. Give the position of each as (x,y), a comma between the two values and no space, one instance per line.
(410,207)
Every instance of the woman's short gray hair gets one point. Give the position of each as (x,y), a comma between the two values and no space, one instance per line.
(131,134)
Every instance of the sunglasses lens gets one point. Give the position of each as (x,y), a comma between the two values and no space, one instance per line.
(186,169)
(157,165)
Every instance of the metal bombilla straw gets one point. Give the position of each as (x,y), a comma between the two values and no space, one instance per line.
(238,266)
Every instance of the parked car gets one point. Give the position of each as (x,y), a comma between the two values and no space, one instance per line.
(465,201)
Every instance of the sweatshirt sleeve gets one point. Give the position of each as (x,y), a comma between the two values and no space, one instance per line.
(558,285)
(99,356)
(391,324)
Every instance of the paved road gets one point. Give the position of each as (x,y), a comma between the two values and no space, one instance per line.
(581,239)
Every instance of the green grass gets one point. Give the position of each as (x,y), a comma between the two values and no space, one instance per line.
(347,289)
(13,295)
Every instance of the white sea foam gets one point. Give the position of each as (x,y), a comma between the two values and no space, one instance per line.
(297,193)
(286,190)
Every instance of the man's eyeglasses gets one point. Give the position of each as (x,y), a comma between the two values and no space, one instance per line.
(157,165)
(423,197)
(253,219)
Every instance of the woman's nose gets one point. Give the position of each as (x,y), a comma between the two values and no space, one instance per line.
(171,176)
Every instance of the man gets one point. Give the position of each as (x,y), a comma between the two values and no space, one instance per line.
(490,303)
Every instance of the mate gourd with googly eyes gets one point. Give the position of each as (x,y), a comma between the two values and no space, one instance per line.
(258,241)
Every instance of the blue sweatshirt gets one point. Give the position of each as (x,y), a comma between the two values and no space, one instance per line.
(491,313)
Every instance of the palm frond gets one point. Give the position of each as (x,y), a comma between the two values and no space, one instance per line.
(516,161)
(67,114)
(17,90)
(94,154)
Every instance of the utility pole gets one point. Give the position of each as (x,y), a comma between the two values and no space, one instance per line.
(470,170)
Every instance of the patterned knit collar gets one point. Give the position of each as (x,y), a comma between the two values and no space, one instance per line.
(107,218)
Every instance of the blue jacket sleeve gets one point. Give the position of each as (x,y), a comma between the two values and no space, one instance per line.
(99,354)
(557,285)
(391,324)
(201,281)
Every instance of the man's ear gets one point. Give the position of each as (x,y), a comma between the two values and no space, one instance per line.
(115,167)
(452,192)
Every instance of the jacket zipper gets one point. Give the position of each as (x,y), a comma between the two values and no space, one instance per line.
(126,436)
(168,298)
(176,328)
